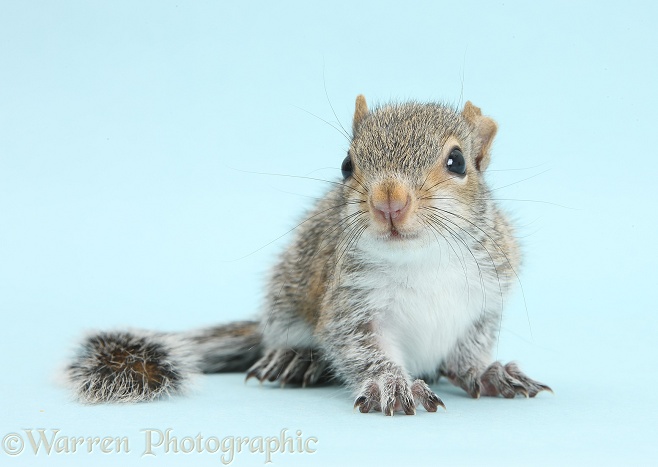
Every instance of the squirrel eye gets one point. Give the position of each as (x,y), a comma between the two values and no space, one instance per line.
(346,167)
(456,162)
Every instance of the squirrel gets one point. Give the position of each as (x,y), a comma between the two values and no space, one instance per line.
(397,276)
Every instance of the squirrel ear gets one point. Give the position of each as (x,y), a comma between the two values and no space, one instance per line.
(360,111)
(485,130)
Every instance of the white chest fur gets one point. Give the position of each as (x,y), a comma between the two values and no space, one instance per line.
(424,306)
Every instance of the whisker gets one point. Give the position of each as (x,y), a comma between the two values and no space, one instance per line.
(283,285)
(517,169)
(319,170)
(468,205)
(344,135)
(317,198)
(529,201)
(509,263)
(355,236)
(286,233)
(324,82)
(426,219)
(520,181)
(425,181)
(442,181)
(500,319)
(438,218)
(434,229)
(356,179)
(344,242)
(337,226)
(300,177)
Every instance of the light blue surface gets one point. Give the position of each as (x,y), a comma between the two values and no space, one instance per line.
(121,124)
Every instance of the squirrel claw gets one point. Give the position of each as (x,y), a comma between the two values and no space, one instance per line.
(250,374)
(362,403)
(290,366)
(509,381)
(425,396)
(392,393)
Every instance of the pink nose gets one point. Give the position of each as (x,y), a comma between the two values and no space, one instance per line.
(391,209)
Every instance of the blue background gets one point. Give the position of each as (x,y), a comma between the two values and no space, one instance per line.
(128,131)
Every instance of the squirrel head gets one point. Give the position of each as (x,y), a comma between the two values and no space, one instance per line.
(412,164)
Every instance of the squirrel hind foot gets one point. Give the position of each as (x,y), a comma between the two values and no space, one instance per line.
(122,366)
(299,366)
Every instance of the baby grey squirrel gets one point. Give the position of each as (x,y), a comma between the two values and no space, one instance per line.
(398,275)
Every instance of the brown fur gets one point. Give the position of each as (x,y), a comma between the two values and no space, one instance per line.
(316,290)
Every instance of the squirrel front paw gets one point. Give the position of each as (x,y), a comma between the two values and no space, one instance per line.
(294,366)
(498,380)
(390,393)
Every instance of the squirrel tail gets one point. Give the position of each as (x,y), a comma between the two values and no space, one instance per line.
(137,365)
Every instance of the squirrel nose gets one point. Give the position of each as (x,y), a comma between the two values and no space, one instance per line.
(391,208)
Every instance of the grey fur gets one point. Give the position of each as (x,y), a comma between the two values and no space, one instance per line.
(336,293)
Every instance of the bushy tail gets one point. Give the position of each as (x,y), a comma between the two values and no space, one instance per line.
(136,366)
